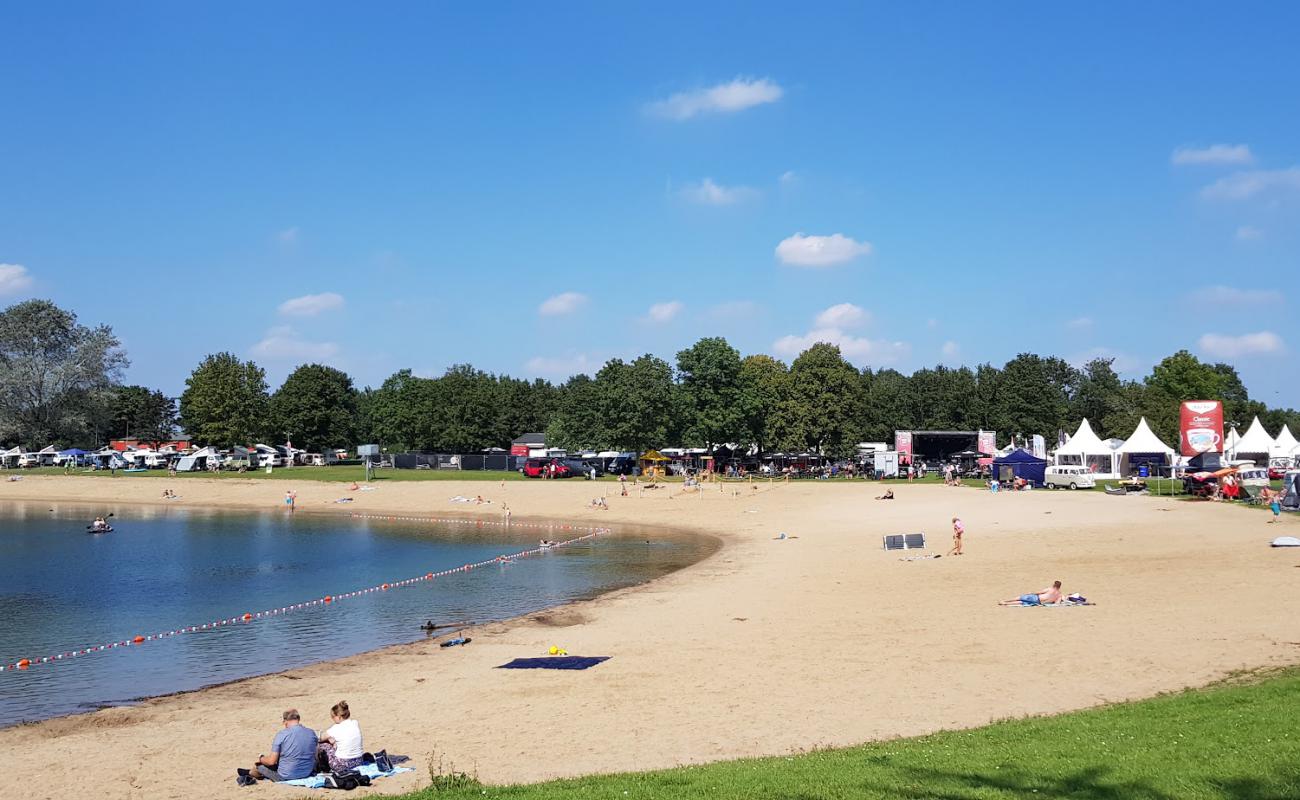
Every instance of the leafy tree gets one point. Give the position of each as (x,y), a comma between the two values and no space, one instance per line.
(1175,379)
(709,374)
(401,412)
(764,383)
(225,402)
(887,406)
(1034,394)
(821,411)
(316,408)
(466,411)
(578,423)
(637,402)
(147,414)
(50,370)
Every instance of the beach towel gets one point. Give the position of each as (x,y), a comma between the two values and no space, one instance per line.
(920,558)
(1062,604)
(555,662)
(318,781)
(1286,541)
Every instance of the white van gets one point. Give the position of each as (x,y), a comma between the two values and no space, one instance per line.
(1070,477)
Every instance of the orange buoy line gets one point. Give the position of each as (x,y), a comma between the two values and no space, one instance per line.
(139,639)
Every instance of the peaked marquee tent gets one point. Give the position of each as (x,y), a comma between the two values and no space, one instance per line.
(1230,442)
(1143,447)
(1255,445)
(1285,444)
(1085,449)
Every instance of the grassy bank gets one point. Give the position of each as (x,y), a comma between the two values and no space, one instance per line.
(1227,742)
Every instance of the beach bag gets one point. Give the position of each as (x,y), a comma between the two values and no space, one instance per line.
(381,760)
(347,780)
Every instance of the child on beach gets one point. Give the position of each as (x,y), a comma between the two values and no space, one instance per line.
(958,529)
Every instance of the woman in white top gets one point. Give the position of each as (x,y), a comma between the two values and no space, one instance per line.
(341,743)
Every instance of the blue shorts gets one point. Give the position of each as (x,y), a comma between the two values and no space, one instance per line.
(1030,600)
(1276,508)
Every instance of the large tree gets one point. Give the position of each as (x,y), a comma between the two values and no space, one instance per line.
(764,385)
(316,408)
(225,402)
(1176,378)
(578,423)
(146,414)
(709,375)
(52,372)
(821,412)
(637,402)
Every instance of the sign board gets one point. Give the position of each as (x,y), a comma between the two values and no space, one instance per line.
(519,450)
(364,450)
(1200,427)
(988,444)
(1040,447)
(903,446)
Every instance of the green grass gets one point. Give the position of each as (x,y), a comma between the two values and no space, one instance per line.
(1233,741)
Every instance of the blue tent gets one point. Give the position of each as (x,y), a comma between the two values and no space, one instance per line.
(75,451)
(1020,463)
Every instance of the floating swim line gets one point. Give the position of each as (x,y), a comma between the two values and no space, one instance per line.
(326,600)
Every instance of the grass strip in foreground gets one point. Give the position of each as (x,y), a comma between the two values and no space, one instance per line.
(1231,741)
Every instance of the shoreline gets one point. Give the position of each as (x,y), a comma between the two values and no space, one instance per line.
(765,647)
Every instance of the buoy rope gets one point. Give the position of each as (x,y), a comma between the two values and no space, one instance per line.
(326,600)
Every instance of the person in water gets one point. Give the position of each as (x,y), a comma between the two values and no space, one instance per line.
(99,524)
(341,743)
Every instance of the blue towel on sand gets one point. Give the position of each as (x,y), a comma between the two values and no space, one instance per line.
(555,662)
(317,782)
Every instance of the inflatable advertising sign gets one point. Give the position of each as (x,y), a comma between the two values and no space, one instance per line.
(1200,427)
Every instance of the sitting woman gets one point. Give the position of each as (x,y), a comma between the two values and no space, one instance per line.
(888,495)
(341,743)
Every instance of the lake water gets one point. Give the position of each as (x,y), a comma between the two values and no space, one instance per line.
(163,569)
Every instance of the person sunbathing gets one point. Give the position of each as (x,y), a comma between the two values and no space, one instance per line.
(888,495)
(1048,596)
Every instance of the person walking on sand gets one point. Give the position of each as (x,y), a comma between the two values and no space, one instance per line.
(1274,499)
(958,530)
(290,498)
(1048,596)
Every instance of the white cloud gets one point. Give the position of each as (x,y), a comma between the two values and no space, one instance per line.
(14,278)
(1247,344)
(844,315)
(288,235)
(283,343)
(708,193)
(1209,297)
(309,305)
(736,95)
(1214,154)
(789,178)
(1248,233)
(820,251)
(563,303)
(857,349)
(663,312)
(950,349)
(1079,323)
(1244,185)
(560,366)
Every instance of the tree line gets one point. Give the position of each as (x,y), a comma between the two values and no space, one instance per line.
(60,382)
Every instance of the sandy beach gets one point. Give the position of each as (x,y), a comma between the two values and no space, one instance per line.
(767,647)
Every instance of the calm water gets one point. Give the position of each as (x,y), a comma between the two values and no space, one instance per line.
(62,589)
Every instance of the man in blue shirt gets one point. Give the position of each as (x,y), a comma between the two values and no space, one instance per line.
(293,752)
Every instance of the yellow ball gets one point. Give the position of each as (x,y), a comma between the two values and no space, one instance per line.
(554,649)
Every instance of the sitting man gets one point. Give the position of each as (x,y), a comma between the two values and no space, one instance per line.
(293,752)
(1045,597)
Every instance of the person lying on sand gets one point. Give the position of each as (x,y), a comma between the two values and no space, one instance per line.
(599,502)
(1050,595)
(888,495)
(293,752)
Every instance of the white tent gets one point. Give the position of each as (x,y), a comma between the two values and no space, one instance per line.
(1146,444)
(1255,445)
(1285,444)
(1230,442)
(1084,448)
(9,458)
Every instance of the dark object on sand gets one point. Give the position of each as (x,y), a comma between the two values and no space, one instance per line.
(555,662)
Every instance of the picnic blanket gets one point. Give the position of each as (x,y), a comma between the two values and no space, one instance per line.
(1062,604)
(555,662)
(318,781)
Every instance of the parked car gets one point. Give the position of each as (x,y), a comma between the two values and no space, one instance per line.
(1253,476)
(622,465)
(584,467)
(1068,477)
(537,467)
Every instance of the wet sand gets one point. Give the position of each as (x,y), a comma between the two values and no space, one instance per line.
(768,646)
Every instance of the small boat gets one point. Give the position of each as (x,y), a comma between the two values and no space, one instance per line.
(105,529)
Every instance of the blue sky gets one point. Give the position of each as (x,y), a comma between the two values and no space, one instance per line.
(535,188)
